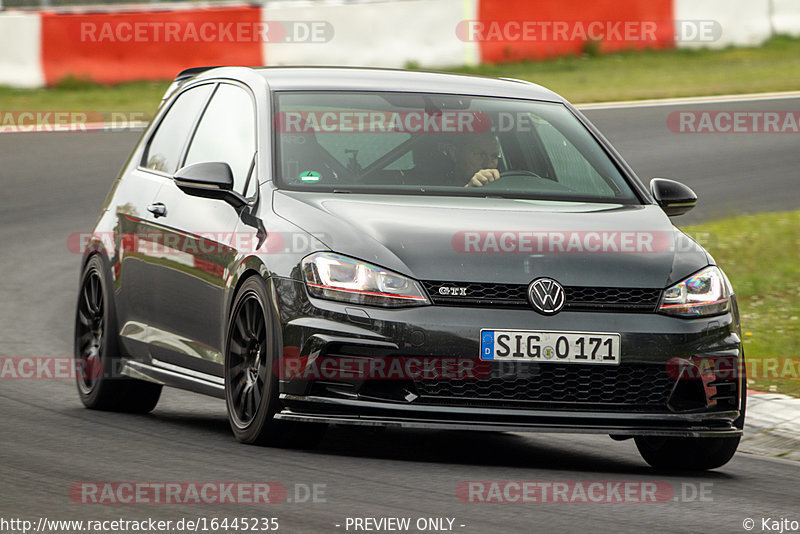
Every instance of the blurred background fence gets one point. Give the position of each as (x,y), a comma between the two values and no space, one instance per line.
(49,4)
(45,41)
(33,5)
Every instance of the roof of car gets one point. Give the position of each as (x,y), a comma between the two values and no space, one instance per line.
(381,79)
(374,79)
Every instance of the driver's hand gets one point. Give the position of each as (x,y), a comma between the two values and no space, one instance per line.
(483,177)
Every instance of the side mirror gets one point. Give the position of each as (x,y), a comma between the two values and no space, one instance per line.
(209,179)
(673,197)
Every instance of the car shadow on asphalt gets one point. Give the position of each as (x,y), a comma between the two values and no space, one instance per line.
(553,452)
(499,449)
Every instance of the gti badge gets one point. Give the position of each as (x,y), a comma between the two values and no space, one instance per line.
(453,291)
(546,296)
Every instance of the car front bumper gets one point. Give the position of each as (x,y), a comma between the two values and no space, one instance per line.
(646,394)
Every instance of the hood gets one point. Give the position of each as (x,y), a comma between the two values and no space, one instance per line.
(466,239)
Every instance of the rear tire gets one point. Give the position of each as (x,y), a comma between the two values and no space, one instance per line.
(96,350)
(251,385)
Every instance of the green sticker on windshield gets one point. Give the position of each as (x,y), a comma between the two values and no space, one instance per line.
(310,176)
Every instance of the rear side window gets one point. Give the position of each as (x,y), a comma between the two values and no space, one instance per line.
(227,133)
(163,153)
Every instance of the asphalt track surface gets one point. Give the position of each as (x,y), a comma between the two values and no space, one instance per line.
(54,184)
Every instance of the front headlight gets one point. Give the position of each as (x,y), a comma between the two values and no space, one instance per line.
(704,293)
(336,277)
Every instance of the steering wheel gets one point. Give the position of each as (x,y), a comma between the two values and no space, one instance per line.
(515,179)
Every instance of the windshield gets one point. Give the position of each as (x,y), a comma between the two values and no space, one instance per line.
(402,143)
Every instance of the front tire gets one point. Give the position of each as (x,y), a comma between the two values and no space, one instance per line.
(694,454)
(251,385)
(686,454)
(96,350)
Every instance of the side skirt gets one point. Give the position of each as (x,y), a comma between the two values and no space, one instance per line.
(174,376)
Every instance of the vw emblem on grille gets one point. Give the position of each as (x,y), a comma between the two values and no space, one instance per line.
(546,296)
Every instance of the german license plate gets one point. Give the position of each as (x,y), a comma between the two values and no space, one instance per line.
(546,346)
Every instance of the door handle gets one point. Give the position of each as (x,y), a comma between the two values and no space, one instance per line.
(158,209)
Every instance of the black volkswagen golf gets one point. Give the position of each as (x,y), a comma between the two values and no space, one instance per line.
(383,247)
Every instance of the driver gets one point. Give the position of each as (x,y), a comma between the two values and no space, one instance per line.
(474,158)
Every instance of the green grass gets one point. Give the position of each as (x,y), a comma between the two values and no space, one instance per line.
(591,78)
(761,256)
(79,96)
(662,73)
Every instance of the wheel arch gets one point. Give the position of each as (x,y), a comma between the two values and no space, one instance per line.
(250,267)
(97,250)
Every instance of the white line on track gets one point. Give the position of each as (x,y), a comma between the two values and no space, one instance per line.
(752,97)
(73,127)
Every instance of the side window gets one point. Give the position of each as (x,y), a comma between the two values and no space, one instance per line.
(227,133)
(164,150)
